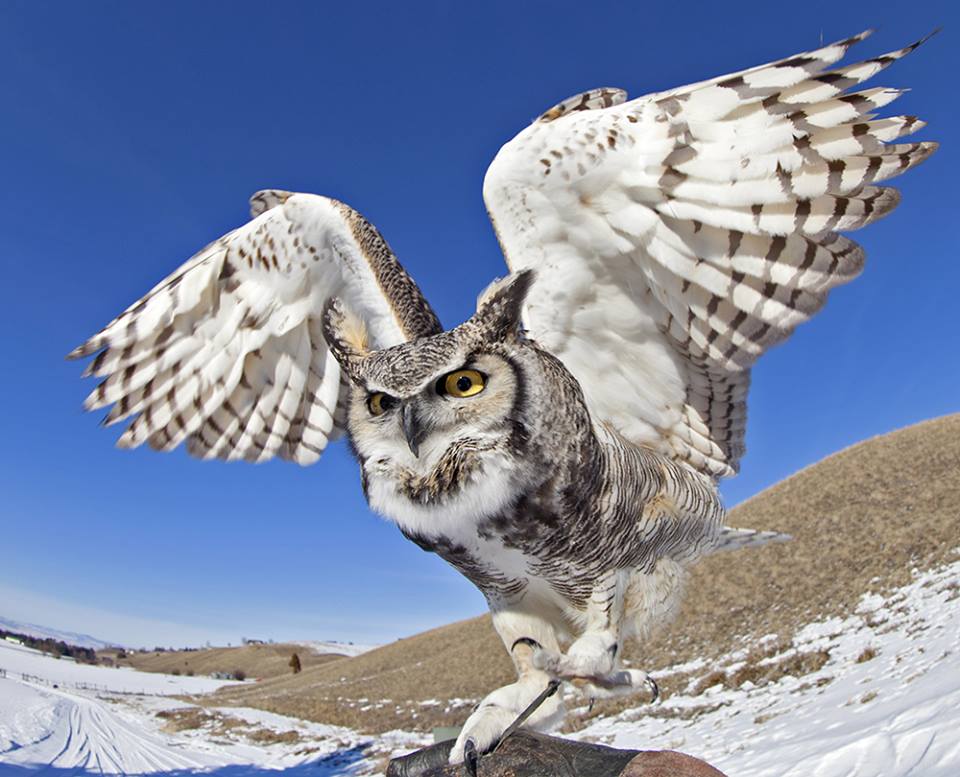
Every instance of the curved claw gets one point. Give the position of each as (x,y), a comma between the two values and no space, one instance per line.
(470,757)
(654,688)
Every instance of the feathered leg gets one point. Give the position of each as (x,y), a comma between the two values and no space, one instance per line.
(592,663)
(522,634)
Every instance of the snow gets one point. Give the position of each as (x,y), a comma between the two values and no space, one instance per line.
(19,660)
(343,648)
(885,700)
(25,714)
(895,714)
(59,715)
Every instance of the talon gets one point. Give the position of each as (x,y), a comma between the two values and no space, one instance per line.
(532,643)
(654,688)
(470,757)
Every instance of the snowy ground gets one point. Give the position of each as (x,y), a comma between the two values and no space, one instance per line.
(885,702)
(343,648)
(58,717)
(23,663)
(883,698)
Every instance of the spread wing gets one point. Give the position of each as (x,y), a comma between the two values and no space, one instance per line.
(679,235)
(227,353)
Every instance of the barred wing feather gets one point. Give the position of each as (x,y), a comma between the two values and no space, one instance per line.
(227,353)
(679,235)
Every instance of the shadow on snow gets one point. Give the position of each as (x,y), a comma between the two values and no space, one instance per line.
(341,762)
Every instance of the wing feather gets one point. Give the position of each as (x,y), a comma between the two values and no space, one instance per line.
(686,232)
(227,353)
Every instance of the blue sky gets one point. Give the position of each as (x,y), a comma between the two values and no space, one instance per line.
(133,135)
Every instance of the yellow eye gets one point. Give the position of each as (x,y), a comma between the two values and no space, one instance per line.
(380,403)
(463,383)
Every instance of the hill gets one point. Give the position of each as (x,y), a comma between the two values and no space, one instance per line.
(45,632)
(862,521)
(254,661)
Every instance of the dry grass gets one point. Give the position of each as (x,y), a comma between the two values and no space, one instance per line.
(255,661)
(185,719)
(760,674)
(386,688)
(223,726)
(868,654)
(862,520)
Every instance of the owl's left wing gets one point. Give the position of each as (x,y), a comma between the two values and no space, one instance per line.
(678,236)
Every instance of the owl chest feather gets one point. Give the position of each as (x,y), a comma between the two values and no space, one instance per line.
(558,536)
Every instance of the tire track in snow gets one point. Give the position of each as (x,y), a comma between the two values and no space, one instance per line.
(87,735)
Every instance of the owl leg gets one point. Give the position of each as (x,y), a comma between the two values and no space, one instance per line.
(522,634)
(591,663)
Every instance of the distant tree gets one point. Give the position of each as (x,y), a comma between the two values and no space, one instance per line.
(295,663)
(239,674)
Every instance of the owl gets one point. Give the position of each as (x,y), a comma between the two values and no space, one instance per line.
(562,447)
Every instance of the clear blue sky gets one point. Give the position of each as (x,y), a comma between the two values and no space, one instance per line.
(133,134)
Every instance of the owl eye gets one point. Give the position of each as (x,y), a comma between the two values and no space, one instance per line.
(462,383)
(380,403)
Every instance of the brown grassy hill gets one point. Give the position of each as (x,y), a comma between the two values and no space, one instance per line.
(261,661)
(861,519)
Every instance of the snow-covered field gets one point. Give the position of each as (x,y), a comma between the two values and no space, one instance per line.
(45,670)
(883,699)
(343,648)
(885,702)
(60,717)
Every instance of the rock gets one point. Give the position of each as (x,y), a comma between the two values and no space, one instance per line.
(527,754)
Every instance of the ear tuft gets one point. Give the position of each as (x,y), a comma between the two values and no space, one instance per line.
(500,305)
(346,336)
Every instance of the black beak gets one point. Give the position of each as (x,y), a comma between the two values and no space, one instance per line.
(412,429)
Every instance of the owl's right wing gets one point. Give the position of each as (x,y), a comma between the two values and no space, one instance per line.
(678,236)
(227,353)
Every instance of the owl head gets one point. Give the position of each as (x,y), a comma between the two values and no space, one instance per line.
(428,416)
(438,387)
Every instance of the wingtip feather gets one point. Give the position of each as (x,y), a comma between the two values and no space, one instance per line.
(860,36)
(87,348)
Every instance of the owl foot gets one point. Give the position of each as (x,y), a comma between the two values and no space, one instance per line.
(530,701)
(623,682)
(591,656)
(589,667)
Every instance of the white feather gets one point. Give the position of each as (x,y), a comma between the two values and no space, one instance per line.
(701,222)
(227,352)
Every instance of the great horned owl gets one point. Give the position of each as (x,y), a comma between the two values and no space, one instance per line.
(561,447)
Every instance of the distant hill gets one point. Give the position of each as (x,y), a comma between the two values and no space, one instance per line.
(45,632)
(255,661)
(861,519)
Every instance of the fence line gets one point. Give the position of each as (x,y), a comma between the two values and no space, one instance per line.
(37,680)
